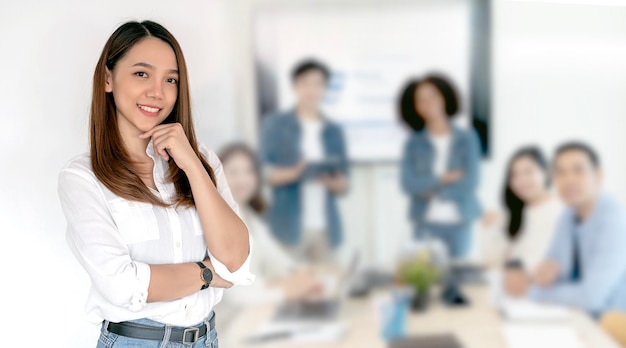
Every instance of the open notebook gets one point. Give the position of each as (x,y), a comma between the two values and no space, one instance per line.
(526,310)
(541,335)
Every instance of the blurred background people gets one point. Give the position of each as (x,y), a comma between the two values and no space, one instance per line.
(585,266)
(522,234)
(278,276)
(307,167)
(440,165)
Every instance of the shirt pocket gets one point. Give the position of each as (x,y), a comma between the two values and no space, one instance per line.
(135,221)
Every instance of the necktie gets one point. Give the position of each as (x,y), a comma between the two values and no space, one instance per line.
(576,270)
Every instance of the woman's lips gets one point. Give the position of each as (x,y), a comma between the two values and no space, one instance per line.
(148,110)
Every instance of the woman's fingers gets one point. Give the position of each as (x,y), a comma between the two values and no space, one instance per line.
(219,282)
(163,139)
(155,129)
(161,145)
(170,141)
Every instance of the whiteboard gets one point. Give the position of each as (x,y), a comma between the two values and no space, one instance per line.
(371,51)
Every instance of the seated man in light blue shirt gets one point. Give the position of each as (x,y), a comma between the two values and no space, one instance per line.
(586,264)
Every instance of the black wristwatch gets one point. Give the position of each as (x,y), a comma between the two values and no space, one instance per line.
(205,274)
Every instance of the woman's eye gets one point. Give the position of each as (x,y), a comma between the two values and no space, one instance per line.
(172,80)
(141,74)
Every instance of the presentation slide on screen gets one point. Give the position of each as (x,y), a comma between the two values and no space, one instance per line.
(372,52)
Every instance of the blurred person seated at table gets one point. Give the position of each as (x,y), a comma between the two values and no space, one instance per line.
(440,165)
(585,266)
(524,232)
(305,156)
(278,276)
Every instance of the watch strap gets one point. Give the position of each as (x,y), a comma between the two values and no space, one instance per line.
(201,264)
(202,268)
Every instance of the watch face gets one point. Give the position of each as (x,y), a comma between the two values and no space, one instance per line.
(207,275)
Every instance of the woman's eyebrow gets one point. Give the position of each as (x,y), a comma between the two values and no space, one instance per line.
(151,67)
(145,65)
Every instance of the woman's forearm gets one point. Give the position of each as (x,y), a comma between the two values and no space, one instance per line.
(173,281)
(225,233)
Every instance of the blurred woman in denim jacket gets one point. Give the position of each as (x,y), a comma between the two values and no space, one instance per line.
(440,165)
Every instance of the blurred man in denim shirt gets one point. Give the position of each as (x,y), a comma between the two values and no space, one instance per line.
(305,157)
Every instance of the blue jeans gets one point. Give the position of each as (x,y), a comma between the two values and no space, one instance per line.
(457,238)
(111,340)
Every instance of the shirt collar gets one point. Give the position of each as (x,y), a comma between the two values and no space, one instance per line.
(598,210)
(150,150)
(160,166)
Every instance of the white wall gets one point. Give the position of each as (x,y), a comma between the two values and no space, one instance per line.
(559,73)
(49,50)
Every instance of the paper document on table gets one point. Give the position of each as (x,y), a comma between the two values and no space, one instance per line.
(523,309)
(325,333)
(541,335)
(302,332)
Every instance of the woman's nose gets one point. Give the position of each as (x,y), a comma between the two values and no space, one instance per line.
(156,90)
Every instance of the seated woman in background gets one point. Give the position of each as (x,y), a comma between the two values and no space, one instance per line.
(522,235)
(277,275)
(440,165)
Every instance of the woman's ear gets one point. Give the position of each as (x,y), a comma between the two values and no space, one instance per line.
(108,81)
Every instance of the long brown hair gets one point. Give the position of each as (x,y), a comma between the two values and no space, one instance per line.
(109,159)
(256,202)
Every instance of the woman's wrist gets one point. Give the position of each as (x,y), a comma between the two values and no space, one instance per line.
(195,169)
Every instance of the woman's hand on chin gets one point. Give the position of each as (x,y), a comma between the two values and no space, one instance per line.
(170,140)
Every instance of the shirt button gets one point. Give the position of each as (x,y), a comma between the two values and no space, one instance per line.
(130,204)
(178,244)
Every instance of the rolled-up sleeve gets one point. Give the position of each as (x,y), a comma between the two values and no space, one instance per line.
(95,241)
(242,275)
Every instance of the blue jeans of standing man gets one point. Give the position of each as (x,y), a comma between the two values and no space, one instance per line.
(110,340)
(456,237)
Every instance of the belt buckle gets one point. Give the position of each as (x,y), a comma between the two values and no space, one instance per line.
(196,334)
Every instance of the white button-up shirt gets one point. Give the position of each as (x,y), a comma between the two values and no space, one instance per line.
(116,240)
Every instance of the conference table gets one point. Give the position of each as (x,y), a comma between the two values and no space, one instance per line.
(479,325)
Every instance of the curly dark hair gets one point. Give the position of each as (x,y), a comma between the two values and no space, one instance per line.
(408,111)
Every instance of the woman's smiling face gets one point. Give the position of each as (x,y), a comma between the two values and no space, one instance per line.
(144,83)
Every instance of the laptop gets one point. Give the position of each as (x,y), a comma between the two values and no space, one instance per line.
(324,309)
(430,341)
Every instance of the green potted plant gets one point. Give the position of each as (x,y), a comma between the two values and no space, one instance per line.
(420,274)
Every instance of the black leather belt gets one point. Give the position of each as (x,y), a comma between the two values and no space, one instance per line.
(188,335)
